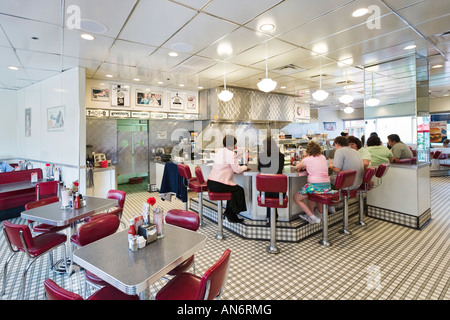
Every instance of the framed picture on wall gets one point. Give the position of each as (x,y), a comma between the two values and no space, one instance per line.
(120,95)
(329,126)
(149,98)
(191,102)
(177,101)
(28,122)
(100,94)
(56,117)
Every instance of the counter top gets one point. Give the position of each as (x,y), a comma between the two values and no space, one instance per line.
(99,169)
(287,170)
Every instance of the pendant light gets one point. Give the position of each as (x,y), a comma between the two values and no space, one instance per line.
(225,95)
(320,94)
(372,102)
(266,84)
(346,98)
(348,109)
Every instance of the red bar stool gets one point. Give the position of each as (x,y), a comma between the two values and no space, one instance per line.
(366,185)
(199,186)
(276,183)
(344,179)
(219,197)
(382,169)
(404,161)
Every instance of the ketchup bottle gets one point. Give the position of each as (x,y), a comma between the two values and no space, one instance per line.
(76,202)
(132,229)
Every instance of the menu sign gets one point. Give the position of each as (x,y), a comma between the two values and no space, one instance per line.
(438,131)
(120,114)
(138,114)
(97,113)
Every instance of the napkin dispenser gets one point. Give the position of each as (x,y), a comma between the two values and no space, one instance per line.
(148,232)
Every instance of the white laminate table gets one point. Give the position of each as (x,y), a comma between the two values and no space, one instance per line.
(54,215)
(132,272)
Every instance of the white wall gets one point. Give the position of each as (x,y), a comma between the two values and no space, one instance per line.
(8,124)
(331,116)
(65,147)
(438,105)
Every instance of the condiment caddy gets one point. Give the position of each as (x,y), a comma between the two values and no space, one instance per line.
(142,231)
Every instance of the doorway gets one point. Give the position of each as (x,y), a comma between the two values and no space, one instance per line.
(132,155)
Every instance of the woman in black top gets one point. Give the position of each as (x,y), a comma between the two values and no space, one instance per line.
(270,161)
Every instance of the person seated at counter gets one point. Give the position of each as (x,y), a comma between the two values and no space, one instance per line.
(356,144)
(445,143)
(318,181)
(379,154)
(344,134)
(270,161)
(346,158)
(220,178)
(398,148)
(5,167)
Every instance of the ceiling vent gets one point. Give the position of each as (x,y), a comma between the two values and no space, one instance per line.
(441,37)
(318,75)
(288,69)
(345,82)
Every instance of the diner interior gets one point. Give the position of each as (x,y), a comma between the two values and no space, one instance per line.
(108,100)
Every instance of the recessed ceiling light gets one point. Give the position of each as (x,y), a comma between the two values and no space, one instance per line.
(200,88)
(160,82)
(410,47)
(181,85)
(182,47)
(87,36)
(137,79)
(437,66)
(109,76)
(360,12)
(13,68)
(267,27)
(173,54)
(283,87)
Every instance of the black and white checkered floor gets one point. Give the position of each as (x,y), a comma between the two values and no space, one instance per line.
(381,261)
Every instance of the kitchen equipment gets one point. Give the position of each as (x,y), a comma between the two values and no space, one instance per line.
(98,157)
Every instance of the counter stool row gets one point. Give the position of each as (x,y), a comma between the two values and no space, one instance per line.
(277,184)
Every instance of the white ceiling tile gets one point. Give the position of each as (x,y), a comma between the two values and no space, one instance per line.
(39,74)
(129,53)
(19,32)
(40,60)
(154,22)
(218,70)
(75,46)
(194,4)
(42,10)
(193,65)
(399,4)
(160,60)
(90,65)
(113,19)
(271,48)
(248,9)
(238,41)
(194,32)
(292,13)
(434,26)
(425,10)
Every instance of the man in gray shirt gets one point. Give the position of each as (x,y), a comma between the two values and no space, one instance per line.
(399,149)
(346,158)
